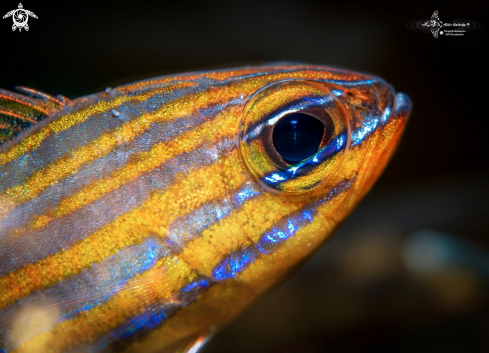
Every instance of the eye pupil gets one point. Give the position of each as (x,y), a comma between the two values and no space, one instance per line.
(297,136)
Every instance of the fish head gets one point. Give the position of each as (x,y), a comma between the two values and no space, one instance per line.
(297,150)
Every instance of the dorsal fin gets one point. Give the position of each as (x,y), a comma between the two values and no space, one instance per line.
(19,112)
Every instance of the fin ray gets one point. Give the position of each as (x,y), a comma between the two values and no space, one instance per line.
(21,111)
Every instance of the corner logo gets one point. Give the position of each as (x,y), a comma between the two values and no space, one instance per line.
(20,17)
(456,28)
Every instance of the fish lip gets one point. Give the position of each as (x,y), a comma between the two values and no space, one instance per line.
(402,107)
(382,148)
(401,110)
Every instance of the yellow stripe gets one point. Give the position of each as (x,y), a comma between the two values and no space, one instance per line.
(154,216)
(65,122)
(153,286)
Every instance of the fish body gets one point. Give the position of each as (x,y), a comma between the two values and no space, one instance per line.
(144,217)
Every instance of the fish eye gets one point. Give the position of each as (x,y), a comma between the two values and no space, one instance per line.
(296,136)
(293,135)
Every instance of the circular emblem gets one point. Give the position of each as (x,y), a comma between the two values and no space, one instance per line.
(20,17)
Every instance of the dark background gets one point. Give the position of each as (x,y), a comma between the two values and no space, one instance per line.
(358,294)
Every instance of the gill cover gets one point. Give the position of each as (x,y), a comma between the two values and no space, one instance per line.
(263,148)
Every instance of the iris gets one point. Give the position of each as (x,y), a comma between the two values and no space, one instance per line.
(297,136)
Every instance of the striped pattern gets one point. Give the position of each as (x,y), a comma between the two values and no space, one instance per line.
(129,217)
(21,112)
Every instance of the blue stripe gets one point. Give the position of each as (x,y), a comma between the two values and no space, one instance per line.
(347,83)
(306,166)
(369,125)
(154,315)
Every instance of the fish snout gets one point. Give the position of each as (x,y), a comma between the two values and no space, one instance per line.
(383,142)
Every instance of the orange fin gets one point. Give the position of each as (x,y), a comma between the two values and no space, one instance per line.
(19,112)
(197,345)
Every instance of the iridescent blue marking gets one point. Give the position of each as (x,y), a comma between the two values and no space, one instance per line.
(368,127)
(340,142)
(291,226)
(148,320)
(234,263)
(275,178)
(337,92)
(245,193)
(335,146)
(352,83)
(270,240)
(385,116)
(157,313)
(196,285)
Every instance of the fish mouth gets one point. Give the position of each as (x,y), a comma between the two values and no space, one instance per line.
(391,130)
(390,133)
(402,108)
(384,142)
(392,125)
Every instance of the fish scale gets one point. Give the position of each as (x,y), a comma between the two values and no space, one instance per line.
(136,220)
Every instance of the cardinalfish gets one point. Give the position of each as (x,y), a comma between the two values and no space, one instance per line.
(146,217)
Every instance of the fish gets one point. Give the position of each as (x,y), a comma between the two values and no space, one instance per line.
(145,217)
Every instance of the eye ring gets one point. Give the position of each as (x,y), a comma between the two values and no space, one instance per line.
(270,105)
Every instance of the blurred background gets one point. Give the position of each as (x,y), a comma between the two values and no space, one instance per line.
(409,269)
